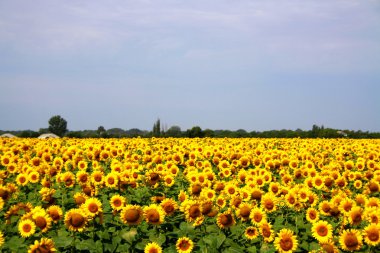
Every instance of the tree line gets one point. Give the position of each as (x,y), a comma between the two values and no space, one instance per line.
(58,126)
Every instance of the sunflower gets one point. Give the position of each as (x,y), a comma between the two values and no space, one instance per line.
(269,202)
(207,207)
(322,231)
(152,247)
(82,165)
(111,180)
(225,220)
(182,196)
(43,221)
(355,216)
(358,184)
(291,199)
(251,233)
(34,177)
(373,215)
(82,177)
(68,178)
(266,231)
(80,198)
(76,220)
(346,205)
(243,211)
(22,179)
(44,245)
(258,216)
(55,212)
(208,193)
(1,238)
(154,214)
(184,245)
(285,241)
(372,234)
(329,247)
(26,228)
(169,180)
(351,240)
(131,214)
(325,207)
(221,201)
(92,207)
(169,206)
(97,177)
(117,202)
(1,204)
(312,215)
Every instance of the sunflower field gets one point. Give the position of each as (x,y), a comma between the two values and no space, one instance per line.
(189,195)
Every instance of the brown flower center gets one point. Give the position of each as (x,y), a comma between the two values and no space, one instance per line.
(153,216)
(257,217)
(322,230)
(351,241)
(41,222)
(194,211)
(132,215)
(111,180)
(184,245)
(286,244)
(77,220)
(328,248)
(245,211)
(226,220)
(93,208)
(373,235)
(26,228)
(117,202)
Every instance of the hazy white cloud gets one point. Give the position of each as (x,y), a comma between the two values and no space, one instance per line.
(190,61)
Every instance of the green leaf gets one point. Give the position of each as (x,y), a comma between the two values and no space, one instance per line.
(129,236)
(85,245)
(314,246)
(252,249)
(234,249)
(220,238)
(15,243)
(62,241)
(267,248)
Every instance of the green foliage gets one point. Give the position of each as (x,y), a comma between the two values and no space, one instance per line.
(58,125)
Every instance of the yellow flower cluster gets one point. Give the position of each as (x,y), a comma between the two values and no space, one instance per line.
(334,184)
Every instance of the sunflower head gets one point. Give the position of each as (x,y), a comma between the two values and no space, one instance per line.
(372,234)
(251,233)
(322,231)
(152,248)
(26,228)
(351,240)
(226,219)
(131,214)
(44,245)
(154,214)
(169,206)
(76,220)
(184,245)
(285,241)
(117,202)
(92,207)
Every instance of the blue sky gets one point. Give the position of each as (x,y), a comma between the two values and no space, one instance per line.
(255,65)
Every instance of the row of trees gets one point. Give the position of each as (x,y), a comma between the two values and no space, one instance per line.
(58,126)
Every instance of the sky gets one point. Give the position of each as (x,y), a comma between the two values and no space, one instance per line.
(219,64)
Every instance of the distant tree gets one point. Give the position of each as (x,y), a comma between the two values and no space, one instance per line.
(174,131)
(208,133)
(58,125)
(196,131)
(157,128)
